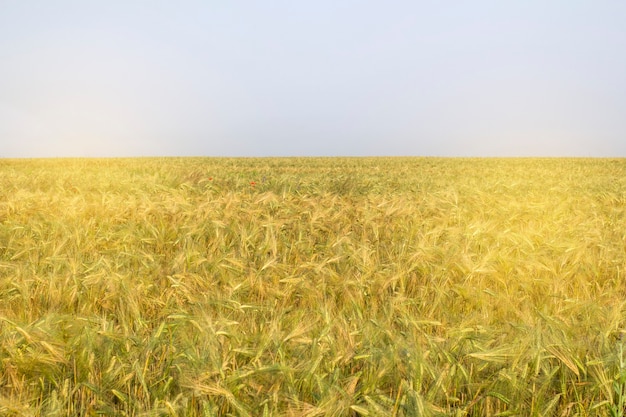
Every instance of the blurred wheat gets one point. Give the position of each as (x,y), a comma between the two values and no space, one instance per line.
(312,287)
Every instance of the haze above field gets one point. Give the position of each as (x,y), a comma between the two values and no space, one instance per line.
(482,78)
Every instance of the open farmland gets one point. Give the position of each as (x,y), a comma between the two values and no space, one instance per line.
(312,287)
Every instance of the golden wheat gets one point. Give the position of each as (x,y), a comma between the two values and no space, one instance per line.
(312,286)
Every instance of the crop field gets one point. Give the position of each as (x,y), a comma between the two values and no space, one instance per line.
(313,287)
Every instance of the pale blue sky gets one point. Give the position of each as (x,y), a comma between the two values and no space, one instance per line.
(263,78)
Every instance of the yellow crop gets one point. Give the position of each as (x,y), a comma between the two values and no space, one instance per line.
(312,287)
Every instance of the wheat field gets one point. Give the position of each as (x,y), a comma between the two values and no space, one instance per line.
(313,287)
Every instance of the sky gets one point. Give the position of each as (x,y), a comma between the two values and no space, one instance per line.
(303,78)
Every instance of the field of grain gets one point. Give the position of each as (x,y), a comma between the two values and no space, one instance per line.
(313,287)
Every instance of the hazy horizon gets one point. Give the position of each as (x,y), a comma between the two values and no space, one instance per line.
(341,78)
